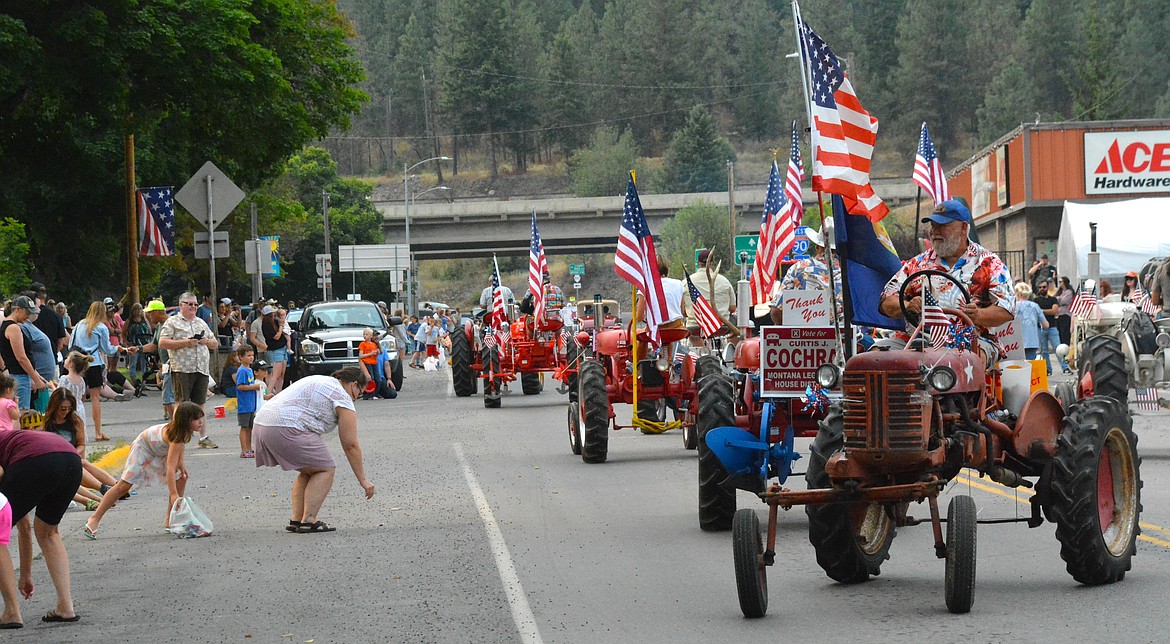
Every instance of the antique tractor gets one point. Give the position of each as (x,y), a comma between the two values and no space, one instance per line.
(606,374)
(910,420)
(533,348)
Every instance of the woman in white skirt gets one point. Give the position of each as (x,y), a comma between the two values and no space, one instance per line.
(288,432)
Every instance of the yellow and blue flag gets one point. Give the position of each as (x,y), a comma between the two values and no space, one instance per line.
(867,256)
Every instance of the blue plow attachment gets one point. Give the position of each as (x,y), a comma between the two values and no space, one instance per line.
(750,460)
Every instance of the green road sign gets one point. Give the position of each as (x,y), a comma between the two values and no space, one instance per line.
(576,269)
(746,243)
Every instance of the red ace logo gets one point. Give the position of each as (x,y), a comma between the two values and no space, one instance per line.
(1127,162)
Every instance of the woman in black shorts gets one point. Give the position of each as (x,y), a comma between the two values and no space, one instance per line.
(42,471)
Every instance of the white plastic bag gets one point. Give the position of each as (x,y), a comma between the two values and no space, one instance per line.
(431,364)
(188,521)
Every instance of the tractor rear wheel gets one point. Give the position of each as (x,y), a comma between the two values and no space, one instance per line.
(1102,359)
(751,575)
(575,428)
(851,539)
(1094,491)
(960,573)
(653,410)
(491,386)
(716,409)
(707,365)
(531,383)
(462,377)
(573,354)
(594,411)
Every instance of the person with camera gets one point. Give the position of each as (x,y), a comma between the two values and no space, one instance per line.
(1040,272)
(275,340)
(189,342)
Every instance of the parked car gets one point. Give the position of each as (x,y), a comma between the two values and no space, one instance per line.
(330,333)
(429,308)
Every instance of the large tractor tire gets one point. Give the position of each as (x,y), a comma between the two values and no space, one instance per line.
(462,377)
(594,403)
(492,387)
(716,409)
(751,575)
(851,539)
(573,353)
(652,410)
(707,365)
(1101,357)
(531,383)
(1093,493)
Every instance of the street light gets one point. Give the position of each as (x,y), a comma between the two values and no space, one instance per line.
(406,202)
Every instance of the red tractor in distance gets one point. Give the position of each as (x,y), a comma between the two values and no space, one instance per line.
(606,375)
(911,420)
(533,348)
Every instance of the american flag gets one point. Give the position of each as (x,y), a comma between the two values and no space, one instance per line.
(935,323)
(775,229)
(156,222)
(637,263)
(500,329)
(709,322)
(843,132)
(1084,305)
(537,267)
(928,171)
(1141,298)
(1147,399)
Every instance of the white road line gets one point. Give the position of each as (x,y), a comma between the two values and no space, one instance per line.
(521,611)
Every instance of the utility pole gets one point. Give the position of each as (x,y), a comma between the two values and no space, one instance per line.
(131,221)
(258,277)
(327,293)
(731,203)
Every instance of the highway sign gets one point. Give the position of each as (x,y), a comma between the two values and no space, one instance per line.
(225,196)
(373,257)
(746,244)
(221,245)
(322,281)
(576,279)
(576,269)
(324,265)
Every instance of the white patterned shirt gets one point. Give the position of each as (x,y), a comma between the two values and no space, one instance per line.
(190,360)
(310,404)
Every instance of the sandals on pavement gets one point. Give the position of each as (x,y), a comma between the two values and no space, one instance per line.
(11,625)
(89,533)
(319,526)
(248,454)
(54,617)
(293,526)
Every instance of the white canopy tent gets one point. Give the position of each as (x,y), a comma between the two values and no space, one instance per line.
(1129,233)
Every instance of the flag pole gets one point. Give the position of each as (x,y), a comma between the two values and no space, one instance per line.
(843,345)
(917,220)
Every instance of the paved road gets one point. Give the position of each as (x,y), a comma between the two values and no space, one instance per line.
(486,529)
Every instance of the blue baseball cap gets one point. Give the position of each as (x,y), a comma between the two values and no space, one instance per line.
(948,211)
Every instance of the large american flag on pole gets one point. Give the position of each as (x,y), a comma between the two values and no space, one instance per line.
(936,326)
(636,261)
(843,133)
(772,233)
(156,222)
(500,330)
(709,321)
(928,171)
(537,267)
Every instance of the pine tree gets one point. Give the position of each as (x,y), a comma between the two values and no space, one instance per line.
(697,157)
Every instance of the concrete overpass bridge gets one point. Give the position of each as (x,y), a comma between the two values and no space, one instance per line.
(441,230)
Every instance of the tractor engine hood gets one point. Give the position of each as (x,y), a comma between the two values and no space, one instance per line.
(968,367)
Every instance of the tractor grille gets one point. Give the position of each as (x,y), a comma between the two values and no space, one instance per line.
(881,411)
(341,349)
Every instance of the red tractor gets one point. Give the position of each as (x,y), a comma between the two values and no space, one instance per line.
(910,421)
(533,348)
(606,375)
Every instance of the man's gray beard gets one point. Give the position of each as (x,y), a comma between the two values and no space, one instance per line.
(950,248)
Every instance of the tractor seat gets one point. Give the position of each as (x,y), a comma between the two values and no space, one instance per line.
(666,335)
(549,324)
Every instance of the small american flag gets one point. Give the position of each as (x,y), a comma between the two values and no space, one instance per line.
(1141,298)
(537,267)
(636,261)
(843,132)
(1084,305)
(775,229)
(1147,399)
(709,322)
(935,323)
(156,222)
(928,171)
(499,316)
(793,195)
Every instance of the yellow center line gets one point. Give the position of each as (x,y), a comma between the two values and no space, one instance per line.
(1024,496)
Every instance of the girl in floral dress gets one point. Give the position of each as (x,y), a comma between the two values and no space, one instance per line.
(156,457)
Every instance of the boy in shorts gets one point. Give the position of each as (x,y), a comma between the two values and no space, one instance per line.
(247,391)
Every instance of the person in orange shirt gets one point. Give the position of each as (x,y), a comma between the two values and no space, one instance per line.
(368,352)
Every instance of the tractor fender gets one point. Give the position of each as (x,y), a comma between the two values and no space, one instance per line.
(747,354)
(469,331)
(1038,426)
(612,342)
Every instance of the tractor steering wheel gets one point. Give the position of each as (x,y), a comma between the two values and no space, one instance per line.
(912,318)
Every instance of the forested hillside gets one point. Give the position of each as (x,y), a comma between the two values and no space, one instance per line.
(514,82)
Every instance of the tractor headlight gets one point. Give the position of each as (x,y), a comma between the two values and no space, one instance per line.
(663,364)
(828,375)
(941,378)
(704,351)
(310,348)
(1163,340)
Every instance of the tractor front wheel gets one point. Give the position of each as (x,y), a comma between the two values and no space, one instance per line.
(575,428)
(652,410)
(716,409)
(594,403)
(960,573)
(851,539)
(531,383)
(1102,359)
(751,575)
(462,377)
(492,386)
(1094,491)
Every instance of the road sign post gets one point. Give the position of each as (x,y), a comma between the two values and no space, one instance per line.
(324,274)
(210,196)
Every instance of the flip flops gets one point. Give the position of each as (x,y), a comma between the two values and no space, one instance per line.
(11,625)
(54,617)
(89,534)
(319,526)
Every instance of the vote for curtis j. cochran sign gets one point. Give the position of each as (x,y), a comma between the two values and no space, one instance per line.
(789,357)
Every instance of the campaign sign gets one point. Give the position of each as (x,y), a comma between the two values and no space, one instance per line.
(1011,337)
(807,308)
(789,357)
